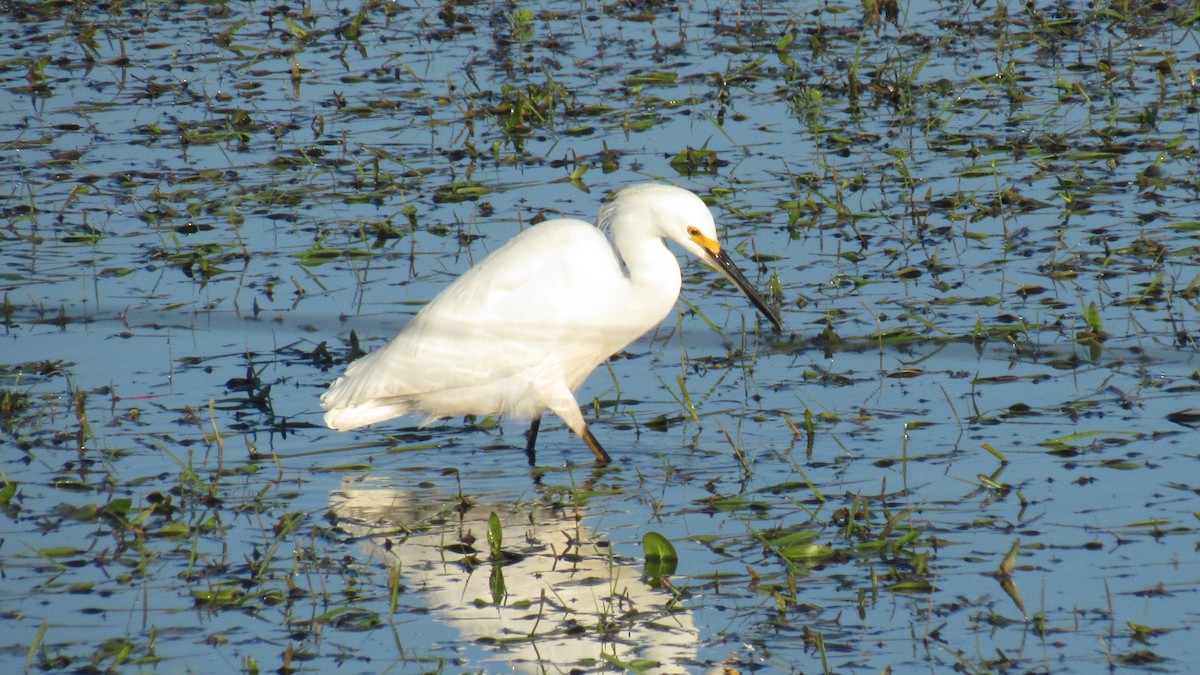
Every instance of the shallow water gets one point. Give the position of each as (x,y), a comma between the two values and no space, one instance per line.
(979,223)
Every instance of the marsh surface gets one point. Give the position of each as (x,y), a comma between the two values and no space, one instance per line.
(974,448)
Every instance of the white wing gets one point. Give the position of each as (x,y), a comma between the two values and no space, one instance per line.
(544,309)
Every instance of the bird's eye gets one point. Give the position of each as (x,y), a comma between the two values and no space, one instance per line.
(693,231)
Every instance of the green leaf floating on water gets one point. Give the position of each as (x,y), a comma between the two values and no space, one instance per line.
(658,548)
(495,534)
(661,559)
(7,491)
(807,552)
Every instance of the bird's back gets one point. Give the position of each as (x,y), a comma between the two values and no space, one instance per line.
(546,308)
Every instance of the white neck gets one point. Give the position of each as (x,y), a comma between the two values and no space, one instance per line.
(652,270)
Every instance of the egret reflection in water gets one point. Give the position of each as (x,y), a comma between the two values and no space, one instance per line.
(567,600)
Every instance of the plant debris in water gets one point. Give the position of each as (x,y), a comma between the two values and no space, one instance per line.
(973,453)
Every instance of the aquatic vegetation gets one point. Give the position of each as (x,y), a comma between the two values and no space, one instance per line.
(972,452)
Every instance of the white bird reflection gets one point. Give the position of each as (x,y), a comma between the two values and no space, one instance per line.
(568,601)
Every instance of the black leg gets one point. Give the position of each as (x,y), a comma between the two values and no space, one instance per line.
(531,440)
(597,449)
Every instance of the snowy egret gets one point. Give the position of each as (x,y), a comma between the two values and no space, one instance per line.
(519,332)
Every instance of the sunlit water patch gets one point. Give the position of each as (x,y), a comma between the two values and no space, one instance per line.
(973,447)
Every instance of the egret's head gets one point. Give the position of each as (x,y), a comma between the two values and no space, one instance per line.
(679,215)
(670,212)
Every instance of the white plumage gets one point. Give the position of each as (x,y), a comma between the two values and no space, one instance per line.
(519,332)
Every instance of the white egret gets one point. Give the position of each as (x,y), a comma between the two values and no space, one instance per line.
(519,332)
